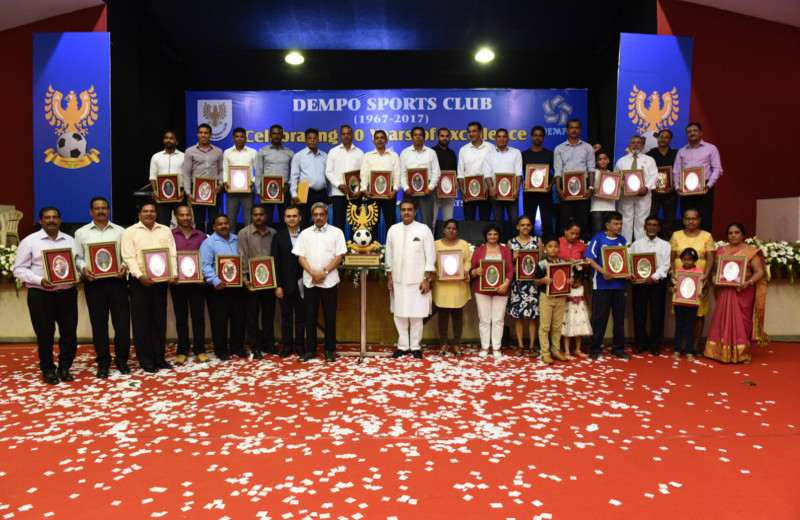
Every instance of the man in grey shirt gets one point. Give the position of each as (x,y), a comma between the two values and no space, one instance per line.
(274,159)
(574,155)
(203,160)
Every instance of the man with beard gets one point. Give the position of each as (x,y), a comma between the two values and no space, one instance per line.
(168,160)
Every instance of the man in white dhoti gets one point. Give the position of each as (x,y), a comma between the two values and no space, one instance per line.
(410,260)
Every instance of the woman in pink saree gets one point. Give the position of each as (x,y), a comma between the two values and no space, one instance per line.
(738,320)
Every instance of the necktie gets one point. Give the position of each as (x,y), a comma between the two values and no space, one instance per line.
(634,166)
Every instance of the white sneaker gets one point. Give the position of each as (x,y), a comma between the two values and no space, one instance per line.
(483,353)
(497,354)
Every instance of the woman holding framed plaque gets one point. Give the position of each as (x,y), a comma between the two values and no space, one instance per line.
(450,291)
(738,320)
(523,303)
(570,246)
(702,242)
(491,289)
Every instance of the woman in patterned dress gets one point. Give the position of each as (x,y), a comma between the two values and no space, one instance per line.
(523,304)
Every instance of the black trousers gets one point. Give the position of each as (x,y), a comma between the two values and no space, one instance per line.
(704,204)
(293,321)
(578,210)
(276,221)
(189,298)
(149,320)
(387,207)
(164,212)
(482,207)
(314,196)
(544,203)
(684,327)
(328,297)
(605,302)
(668,203)
(227,306)
(204,215)
(339,203)
(261,337)
(104,296)
(652,297)
(48,309)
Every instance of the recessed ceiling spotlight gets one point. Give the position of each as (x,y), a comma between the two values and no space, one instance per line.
(484,56)
(294,58)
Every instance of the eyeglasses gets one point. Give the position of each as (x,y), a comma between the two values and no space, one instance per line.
(691,218)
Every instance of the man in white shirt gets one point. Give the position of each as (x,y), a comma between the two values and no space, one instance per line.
(238,155)
(105,294)
(381,159)
(342,158)
(503,159)
(420,156)
(470,163)
(636,208)
(320,249)
(168,160)
(651,293)
(410,261)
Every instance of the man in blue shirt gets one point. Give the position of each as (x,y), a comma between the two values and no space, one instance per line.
(308,166)
(609,292)
(226,305)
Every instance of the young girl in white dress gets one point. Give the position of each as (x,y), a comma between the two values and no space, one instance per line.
(576,316)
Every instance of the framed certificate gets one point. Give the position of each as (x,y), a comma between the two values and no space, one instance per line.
(730,270)
(447,185)
(608,186)
(536,177)
(574,185)
(693,180)
(104,259)
(450,265)
(474,188)
(229,269)
(59,266)
(644,265)
(494,274)
(272,189)
(239,179)
(204,190)
(688,289)
(156,264)
(352,180)
(380,183)
(633,180)
(169,187)
(664,178)
(615,260)
(262,273)
(504,184)
(417,181)
(526,264)
(559,275)
(189,270)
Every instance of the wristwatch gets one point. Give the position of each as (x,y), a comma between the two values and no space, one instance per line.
(428,278)
(325,271)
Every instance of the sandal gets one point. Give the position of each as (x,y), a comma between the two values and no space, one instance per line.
(442,351)
(457,351)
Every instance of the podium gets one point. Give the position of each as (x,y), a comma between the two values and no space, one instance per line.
(362,285)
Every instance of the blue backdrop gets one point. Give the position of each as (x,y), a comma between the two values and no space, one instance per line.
(653,88)
(71,121)
(395,111)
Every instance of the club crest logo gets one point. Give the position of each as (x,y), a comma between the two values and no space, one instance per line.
(219,114)
(652,113)
(71,124)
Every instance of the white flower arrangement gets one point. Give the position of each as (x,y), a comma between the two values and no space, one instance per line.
(7,257)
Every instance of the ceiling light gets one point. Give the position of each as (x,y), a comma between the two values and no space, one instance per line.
(484,56)
(294,58)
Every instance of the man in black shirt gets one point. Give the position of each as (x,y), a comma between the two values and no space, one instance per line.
(543,201)
(447,161)
(666,198)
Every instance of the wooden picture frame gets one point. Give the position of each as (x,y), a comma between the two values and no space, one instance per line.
(417,179)
(352,182)
(59,266)
(450,265)
(156,264)
(525,266)
(664,180)
(574,185)
(643,266)
(103,259)
(693,180)
(632,182)
(380,184)
(608,185)
(204,190)
(494,274)
(615,260)
(504,185)
(239,178)
(731,270)
(537,177)
(447,188)
(474,188)
(272,189)
(262,273)
(689,288)
(559,275)
(189,267)
(168,186)
(229,269)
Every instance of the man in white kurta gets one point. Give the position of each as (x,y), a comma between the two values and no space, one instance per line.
(636,208)
(410,261)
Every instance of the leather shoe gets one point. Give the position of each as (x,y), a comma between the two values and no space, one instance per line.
(202,358)
(102,372)
(399,353)
(180,359)
(621,356)
(330,357)
(50,377)
(593,355)
(240,353)
(655,351)
(64,375)
(286,352)
(417,354)
(257,353)
(163,363)
(223,356)
(546,359)
(123,369)
(150,369)
(558,355)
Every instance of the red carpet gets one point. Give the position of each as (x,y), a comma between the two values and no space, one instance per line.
(649,438)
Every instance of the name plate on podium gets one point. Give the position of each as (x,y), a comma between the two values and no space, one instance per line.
(362,260)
